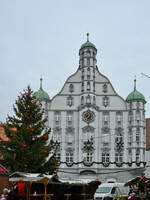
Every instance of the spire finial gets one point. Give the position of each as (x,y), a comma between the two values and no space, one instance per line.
(135,83)
(41,82)
(87,37)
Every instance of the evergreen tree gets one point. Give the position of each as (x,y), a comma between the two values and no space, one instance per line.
(29,147)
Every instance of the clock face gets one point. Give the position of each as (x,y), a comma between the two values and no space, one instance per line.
(88,116)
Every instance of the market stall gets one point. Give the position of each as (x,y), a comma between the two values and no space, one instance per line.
(26,180)
(141,187)
(3,178)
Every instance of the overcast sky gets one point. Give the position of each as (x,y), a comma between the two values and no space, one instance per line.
(43,37)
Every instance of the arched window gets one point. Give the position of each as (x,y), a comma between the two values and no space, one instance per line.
(71,88)
(137,156)
(88,99)
(88,73)
(82,87)
(94,100)
(105,89)
(88,86)
(82,100)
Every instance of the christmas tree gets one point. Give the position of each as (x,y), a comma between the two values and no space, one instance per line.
(29,147)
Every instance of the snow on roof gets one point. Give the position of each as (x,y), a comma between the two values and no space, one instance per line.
(85,181)
(24,174)
(30,177)
(3,170)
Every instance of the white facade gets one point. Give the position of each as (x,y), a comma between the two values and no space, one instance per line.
(97,133)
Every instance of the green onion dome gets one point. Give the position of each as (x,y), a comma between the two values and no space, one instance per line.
(135,95)
(87,43)
(41,94)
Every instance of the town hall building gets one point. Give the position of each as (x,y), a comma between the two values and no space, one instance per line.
(97,133)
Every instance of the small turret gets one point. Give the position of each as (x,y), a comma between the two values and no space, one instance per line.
(135,95)
(88,43)
(41,94)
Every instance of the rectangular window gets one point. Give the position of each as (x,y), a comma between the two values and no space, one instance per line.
(130,116)
(118,157)
(130,155)
(58,156)
(69,138)
(137,156)
(138,116)
(88,157)
(119,138)
(137,137)
(105,157)
(57,118)
(119,118)
(130,138)
(106,139)
(105,119)
(69,157)
(69,117)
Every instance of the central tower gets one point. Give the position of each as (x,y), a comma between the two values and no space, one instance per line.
(87,64)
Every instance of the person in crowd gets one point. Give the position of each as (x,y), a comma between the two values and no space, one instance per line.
(13,194)
(5,193)
(132,195)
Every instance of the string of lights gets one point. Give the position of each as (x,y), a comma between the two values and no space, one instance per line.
(112,172)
